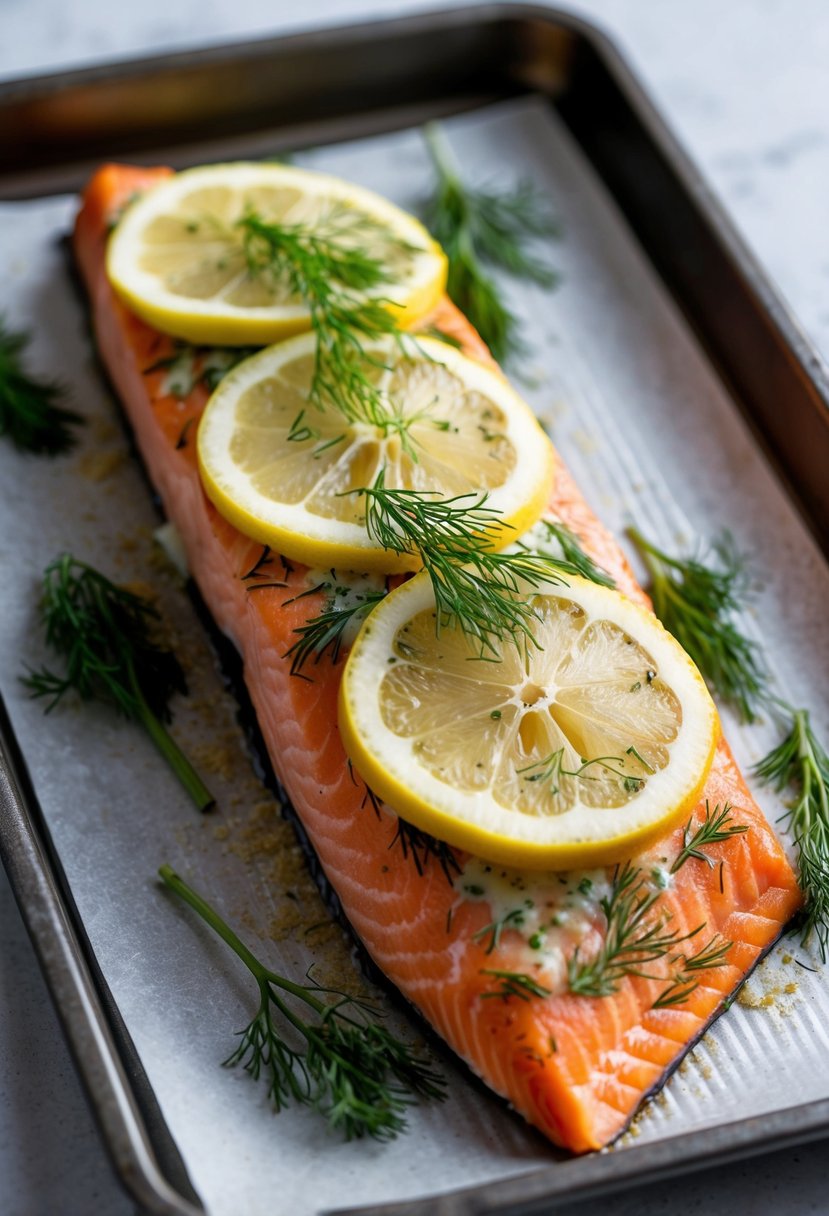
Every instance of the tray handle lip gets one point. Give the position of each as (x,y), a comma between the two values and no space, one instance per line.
(701,1149)
(22,87)
(74,983)
(716,214)
(599,1174)
(813,365)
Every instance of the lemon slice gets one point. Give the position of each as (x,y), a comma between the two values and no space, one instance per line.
(282,469)
(574,753)
(177,257)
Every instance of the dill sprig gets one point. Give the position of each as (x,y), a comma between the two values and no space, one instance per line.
(415,845)
(716,826)
(571,551)
(321,1047)
(801,762)
(421,848)
(481,229)
(327,632)
(331,265)
(108,638)
(551,769)
(633,939)
(712,955)
(30,413)
(696,602)
(441,335)
(514,918)
(477,589)
(514,983)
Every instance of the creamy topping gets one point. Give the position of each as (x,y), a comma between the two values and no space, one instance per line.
(552,913)
(344,590)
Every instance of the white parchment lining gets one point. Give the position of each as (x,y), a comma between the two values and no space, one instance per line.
(651,436)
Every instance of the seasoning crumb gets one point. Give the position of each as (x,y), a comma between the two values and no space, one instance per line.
(98,466)
(754,1000)
(216,758)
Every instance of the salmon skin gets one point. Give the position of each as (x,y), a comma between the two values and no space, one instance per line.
(575,1067)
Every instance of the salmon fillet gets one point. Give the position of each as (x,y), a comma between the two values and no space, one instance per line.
(575,1067)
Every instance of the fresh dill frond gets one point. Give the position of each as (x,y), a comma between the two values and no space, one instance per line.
(514,983)
(414,844)
(676,993)
(801,762)
(551,769)
(108,637)
(634,939)
(696,601)
(322,1048)
(716,826)
(421,847)
(330,266)
(434,331)
(712,955)
(30,413)
(572,551)
(481,229)
(327,632)
(514,918)
(479,590)
(257,569)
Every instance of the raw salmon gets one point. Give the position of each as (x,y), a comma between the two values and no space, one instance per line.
(575,1067)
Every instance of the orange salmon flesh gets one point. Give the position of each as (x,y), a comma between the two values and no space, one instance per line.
(575,1067)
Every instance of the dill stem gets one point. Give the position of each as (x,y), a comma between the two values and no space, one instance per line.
(447,166)
(211,917)
(662,588)
(263,976)
(653,558)
(809,768)
(438,146)
(169,749)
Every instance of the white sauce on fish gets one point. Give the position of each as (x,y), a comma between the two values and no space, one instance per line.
(344,590)
(551,912)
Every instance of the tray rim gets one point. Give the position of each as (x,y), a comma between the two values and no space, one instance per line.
(32,862)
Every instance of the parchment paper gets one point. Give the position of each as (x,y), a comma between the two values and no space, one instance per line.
(652,437)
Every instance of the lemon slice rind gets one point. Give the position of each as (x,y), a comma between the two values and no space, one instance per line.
(322,540)
(218,321)
(473,820)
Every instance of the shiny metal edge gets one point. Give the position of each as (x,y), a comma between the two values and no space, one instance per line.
(756,343)
(608,1172)
(141,1150)
(132,1139)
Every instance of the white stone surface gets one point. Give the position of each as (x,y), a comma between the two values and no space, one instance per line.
(745,86)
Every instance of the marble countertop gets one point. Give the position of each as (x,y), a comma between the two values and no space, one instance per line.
(746,88)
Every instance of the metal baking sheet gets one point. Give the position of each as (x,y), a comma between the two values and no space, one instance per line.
(652,435)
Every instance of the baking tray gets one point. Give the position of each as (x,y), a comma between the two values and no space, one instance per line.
(384,77)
